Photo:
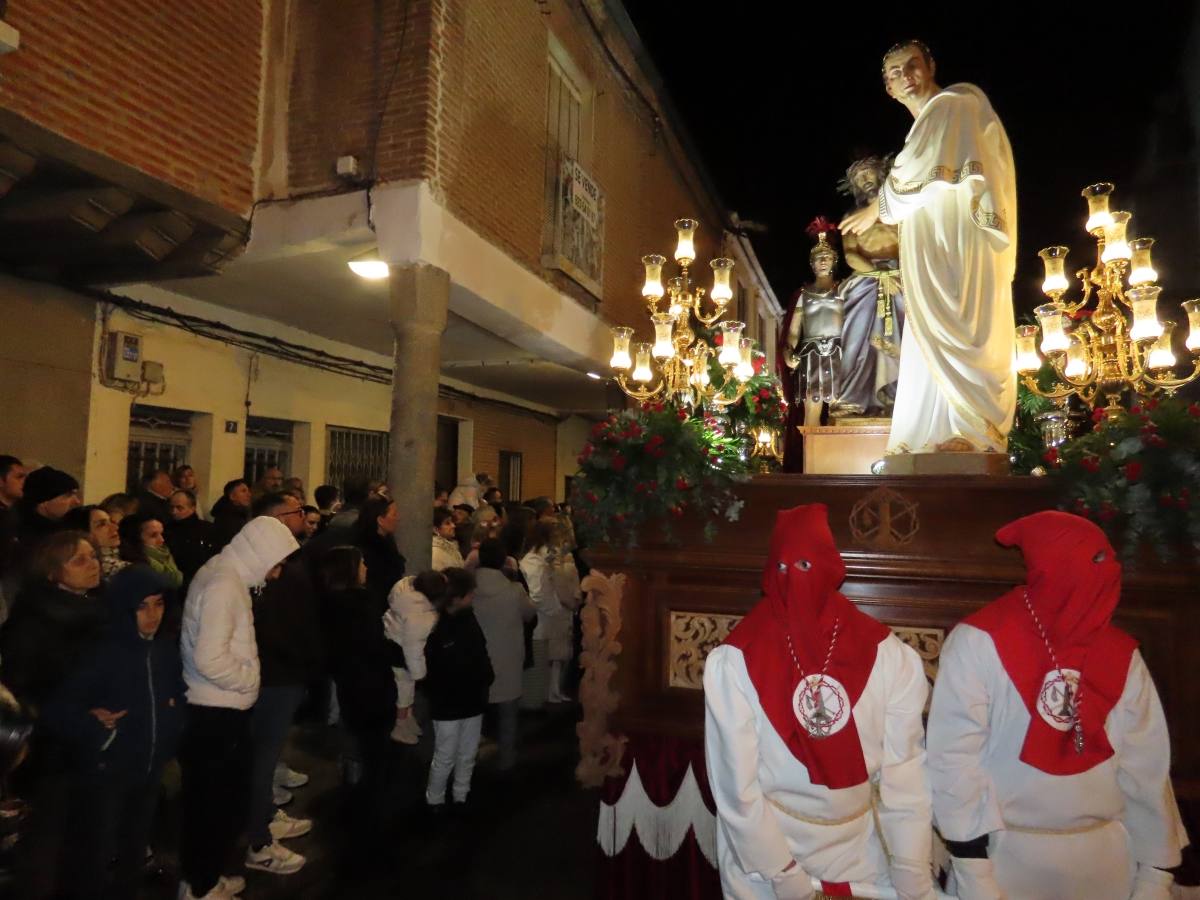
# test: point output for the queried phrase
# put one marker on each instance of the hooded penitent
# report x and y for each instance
(801, 601)
(1072, 588)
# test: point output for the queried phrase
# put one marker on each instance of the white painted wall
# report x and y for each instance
(212, 378)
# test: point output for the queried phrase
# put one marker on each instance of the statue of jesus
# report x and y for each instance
(952, 190)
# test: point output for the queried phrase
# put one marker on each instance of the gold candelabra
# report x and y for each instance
(1106, 351)
(679, 355)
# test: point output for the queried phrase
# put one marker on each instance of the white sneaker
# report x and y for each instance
(232, 884)
(274, 858)
(280, 796)
(286, 777)
(284, 826)
(217, 893)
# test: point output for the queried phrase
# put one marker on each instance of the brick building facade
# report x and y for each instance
(171, 89)
(217, 127)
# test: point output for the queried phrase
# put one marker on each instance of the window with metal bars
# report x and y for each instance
(573, 236)
(355, 453)
(268, 445)
(159, 438)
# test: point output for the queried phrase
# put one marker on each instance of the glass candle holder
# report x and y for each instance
(641, 371)
(685, 248)
(1097, 199)
(1192, 308)
(1054, 338)
(1027, 360)
(1161, 356)
(1077, 362)
(722, 291)
(744, 369)
(620, 356)
(1115, 245)
(1144, 300)
(664, 324)
(653, 288)
(731, 334)
(1054, 259)
(1141, 270)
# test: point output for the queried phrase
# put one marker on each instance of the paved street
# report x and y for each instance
(527, 835)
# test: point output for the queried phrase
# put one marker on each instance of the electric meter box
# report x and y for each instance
(124, 356)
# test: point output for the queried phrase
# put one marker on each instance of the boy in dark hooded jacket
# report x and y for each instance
(121, 714)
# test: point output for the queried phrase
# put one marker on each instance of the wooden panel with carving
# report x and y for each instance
(693, 635)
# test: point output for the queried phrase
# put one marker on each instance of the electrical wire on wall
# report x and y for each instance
(265, 345)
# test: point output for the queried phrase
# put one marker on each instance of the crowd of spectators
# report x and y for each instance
(138, 635)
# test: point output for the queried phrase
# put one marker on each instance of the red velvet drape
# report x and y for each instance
(632, 874)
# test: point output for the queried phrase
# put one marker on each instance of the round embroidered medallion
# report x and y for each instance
(1056, 700)
(821, 705)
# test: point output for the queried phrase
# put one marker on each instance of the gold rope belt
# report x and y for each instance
(1081, 829)
(791, 813)
(890, 283)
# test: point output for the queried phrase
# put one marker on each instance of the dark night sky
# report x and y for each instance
(778, 97)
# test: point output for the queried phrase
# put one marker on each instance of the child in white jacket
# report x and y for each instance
(408, 621)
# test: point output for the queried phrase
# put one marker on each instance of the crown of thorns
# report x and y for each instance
(881, 164)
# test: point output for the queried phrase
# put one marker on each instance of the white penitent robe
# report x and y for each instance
(752, 773)
(952, 189)
(1118, 814)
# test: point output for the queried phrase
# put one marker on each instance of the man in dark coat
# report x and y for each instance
(49, 495)
(154, 500)
(192, 541)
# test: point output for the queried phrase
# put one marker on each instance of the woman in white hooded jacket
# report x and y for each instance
(221, 670)
(408, 622)
(553, 581)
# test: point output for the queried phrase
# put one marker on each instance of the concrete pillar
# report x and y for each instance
(419, 298)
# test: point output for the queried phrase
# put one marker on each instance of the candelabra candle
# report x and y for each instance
(1144, 300)
(1192, 308)
(722, 292)
(1027, 358)
(1077, 362)
(1054, 339)
(1161, 356)
(675, 292)
(1054, 259)
(1141, 270)
(1115, 245)
(744, 370)
(620, 357)
(653, 289)
(731, 334)
(1097, 198)
(664, 324)
(685, 248)
(641, 371)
